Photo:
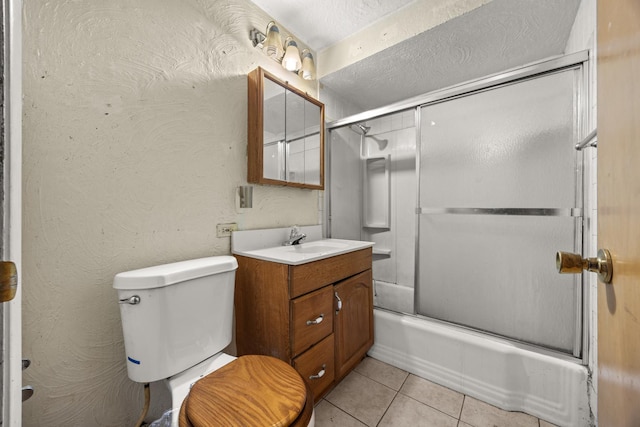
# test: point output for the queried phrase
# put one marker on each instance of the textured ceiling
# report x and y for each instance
(320, 24)
(497, 36)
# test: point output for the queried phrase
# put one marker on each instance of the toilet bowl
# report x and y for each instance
(176, 320)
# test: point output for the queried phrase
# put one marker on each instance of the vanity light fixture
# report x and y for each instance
(287, 55)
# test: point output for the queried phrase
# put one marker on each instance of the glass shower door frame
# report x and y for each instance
(580, 345)
(578, 60)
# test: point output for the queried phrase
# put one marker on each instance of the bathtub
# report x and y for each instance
(495, 371)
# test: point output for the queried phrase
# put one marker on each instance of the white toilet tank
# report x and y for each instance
(175, 315)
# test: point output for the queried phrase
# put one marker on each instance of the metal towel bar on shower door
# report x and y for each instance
(574, 212)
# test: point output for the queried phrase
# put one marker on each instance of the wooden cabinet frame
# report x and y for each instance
(255, 147)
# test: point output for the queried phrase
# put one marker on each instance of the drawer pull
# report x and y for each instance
(315, 322)
(320, 374)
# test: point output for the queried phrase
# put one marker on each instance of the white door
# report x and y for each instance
(11, 211)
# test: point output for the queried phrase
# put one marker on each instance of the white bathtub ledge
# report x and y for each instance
(496, 372)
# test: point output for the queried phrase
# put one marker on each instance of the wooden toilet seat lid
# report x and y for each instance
(250, 391)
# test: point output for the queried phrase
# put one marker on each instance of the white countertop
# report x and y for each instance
(305, 252)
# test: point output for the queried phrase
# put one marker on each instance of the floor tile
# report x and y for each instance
(480, 414)
(405, 411)
(328, 415)
(382, 372)
(544, 423)
(434, 395)
(361, 397)
(463, 424)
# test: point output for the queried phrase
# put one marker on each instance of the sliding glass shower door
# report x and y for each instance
(500, 193)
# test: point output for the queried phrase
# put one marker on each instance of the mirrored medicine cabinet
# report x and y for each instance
(285, 134)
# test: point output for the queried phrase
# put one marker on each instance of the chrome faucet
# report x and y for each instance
(295, 238)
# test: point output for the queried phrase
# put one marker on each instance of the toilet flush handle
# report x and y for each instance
(131, 300)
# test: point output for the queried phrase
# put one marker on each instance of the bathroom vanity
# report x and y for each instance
(312, 311)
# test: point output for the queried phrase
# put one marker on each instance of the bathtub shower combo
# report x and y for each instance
(468, 192)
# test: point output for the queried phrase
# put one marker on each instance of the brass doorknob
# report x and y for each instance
(574, 263)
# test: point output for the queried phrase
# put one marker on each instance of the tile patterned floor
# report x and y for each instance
(378, 394)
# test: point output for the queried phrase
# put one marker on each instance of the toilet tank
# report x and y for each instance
(175, 315)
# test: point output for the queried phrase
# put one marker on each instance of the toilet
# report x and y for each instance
(176, 320)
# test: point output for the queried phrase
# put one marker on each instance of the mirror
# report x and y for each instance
(286, 134)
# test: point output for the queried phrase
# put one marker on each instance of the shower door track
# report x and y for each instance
(510, 76)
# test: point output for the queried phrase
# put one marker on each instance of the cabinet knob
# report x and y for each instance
(320, 373)
(319, 319)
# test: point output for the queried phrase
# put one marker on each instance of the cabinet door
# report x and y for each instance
(285, 134)
(353, 322)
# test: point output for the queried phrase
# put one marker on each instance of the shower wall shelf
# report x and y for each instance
(376, 200)
(381, 251)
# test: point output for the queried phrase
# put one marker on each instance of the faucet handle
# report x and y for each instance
(294, 232)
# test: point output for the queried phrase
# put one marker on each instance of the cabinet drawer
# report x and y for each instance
(311, 319)
(308, 277)
(317, 367)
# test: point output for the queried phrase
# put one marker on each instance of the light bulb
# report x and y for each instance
(291, 60)
(273, 43)
(308, 69)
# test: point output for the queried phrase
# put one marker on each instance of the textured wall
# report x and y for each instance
(134, 143)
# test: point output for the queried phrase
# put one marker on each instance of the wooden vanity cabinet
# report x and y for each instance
(293, 312)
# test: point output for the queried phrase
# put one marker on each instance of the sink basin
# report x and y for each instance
(306, 252)
(319, 246)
